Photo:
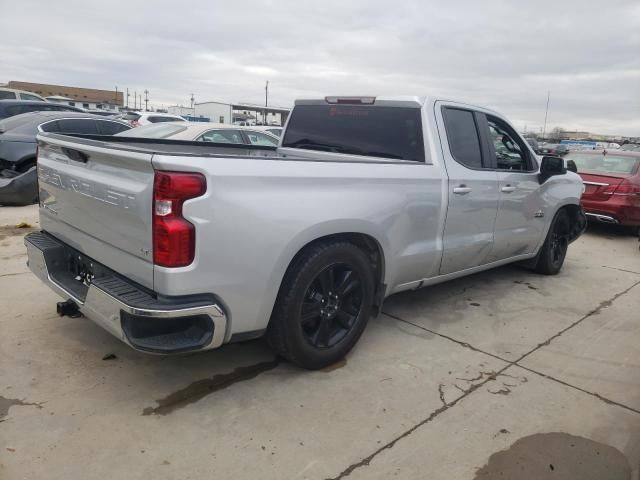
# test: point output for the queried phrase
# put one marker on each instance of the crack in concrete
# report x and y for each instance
(367, 460)
(473, 387)
(441, 392)
(620, 269)
(7, 403)
(12, 274)
(588, 392)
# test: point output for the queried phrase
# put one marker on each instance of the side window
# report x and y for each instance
(221, 136)
(4, 95)
(78, 125)
(26, 96)
(162, 119)
(462, 133)
(511, 154)
(257, 138)
(18, 109)
(50, 127)
(110, 128)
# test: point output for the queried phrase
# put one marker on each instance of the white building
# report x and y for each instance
(87, 105)
(216, 112)
(219, 112)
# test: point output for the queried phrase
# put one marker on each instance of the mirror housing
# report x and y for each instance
(571, 166)
(551, 166)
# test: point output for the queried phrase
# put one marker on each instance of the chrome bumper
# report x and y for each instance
(107, 310)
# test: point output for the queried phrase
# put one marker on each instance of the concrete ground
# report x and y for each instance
(505, 374)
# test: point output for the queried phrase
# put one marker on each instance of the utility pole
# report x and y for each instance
(135, 99)
(116, 102)
(193, 105)
(546, 112)
(146, 100)
(266, 102)
(127, 100)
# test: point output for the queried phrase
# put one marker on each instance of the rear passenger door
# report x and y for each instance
(472, 188)
(520, 220)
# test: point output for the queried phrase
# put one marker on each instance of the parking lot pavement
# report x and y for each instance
(458, 377)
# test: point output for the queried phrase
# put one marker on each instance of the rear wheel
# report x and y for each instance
(554, 249)
(324, 304)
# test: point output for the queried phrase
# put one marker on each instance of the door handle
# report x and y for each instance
(508, 189)
(461, 189)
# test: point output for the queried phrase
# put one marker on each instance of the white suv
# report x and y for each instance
(137, 119)
(13, 94)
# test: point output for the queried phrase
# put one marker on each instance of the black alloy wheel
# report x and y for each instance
(331, 305)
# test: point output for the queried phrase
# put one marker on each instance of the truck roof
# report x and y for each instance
(388, 101)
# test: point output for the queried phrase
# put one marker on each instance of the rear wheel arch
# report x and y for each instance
(367, 243)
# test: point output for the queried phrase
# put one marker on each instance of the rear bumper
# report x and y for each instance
(142, 319)
(618, 209)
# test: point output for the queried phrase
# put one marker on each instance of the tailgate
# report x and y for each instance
(599, 187)
(98, 200)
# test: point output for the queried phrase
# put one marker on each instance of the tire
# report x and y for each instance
(323, 306)
(554, 249)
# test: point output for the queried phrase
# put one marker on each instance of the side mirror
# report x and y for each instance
(551, 166)
(571, 166)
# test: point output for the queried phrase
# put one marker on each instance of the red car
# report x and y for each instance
(612, 185)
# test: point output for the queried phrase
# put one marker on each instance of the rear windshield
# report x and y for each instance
(154, 130)
(387, 132)
(615, 164)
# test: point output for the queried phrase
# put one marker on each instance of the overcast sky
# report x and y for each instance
(502, 54)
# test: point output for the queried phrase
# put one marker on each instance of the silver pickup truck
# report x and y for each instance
(175, 247)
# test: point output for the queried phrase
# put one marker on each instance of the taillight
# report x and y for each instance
(174, 238)
(623, 188)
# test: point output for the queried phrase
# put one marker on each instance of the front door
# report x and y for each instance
(520, 220)
(472, 189)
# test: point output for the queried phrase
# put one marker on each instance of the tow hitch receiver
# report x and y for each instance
(68, 309)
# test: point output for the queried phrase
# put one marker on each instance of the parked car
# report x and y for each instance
(612, 185)
(13, 94)
(631, 147)
(179, 251)
(273, 130)
(137, 119)
(9, 108)
(18, 133)
(553, 149)
(204, 132)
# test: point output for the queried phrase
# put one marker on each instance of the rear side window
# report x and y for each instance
(28, 96)
(163, 119)
(4, 95)
(462, 134)
(257, 138)
(386, 132)
(78, 125)
(221, 136)
(110, 128)
(50, 126)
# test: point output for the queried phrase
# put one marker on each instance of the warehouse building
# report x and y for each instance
(88, 98)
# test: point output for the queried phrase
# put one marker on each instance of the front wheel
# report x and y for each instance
(324, 304)
(554, 249)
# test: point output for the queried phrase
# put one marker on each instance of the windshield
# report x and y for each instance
(614, 164)
(387, 132)
(154, 130)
